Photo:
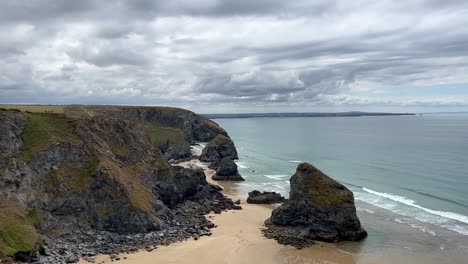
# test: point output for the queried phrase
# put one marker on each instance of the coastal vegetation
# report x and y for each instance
(62, 173)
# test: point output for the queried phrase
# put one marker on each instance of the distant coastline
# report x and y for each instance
(338, 114)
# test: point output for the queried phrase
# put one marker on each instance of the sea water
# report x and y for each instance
(409, 174)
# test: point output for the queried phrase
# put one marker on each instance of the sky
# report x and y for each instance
(223, 56)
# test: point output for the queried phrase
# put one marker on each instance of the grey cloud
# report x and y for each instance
(237, 52)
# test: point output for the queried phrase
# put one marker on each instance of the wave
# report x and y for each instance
(369, 211)
(202, 165)
(241, 165)
(276, 176)
(449, 220)
(404, 200)
(295, 161)
(437, 197)
(420, 227)
(197, 148)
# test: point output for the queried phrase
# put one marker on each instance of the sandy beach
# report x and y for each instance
(236, 239)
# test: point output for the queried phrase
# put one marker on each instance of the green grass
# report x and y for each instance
(161, 135)
(17, 231)
(58, 109)
(220, 140)
(33, 218)
(42, 130)
(69, 177)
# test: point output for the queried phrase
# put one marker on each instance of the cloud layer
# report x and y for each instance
(223, 56)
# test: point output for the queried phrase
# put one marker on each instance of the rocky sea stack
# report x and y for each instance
(319, 208)
(227, 171)
(220, 147)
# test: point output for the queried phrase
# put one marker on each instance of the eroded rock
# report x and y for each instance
(227, 171)
(319, 208)
(218, 148)
(256, 197)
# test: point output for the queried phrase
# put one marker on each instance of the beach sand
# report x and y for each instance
(237, 239)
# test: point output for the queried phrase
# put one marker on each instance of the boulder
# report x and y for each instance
(256, 197)
(319, 208)
(218, 148)
(227, 171)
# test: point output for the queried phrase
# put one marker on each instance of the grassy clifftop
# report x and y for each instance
(42, 130)
(163, 124)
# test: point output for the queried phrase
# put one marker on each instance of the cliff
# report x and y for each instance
(170, 129)
(62, 177)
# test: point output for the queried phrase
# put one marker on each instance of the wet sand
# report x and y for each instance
(237, 239)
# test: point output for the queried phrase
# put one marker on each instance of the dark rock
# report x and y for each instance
(12, 125)
(95, 185)
(175, 151)
(195, 127)
(183, 185)
(72, 259)
(319, 208)
(227, 171)
(218, 148)
(256, 197)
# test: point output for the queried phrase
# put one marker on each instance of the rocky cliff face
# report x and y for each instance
(319, 208)
(172, 129)
(60, 176)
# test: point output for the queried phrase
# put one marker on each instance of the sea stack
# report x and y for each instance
(220, 147)
(227, 171)
(319, 208)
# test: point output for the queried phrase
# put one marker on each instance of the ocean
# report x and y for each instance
(409, 174)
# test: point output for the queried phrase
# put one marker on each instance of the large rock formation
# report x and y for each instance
(227, 171)
(218, 148)
(319, 208)
(170, 129)
(61, 176)
(256, 197)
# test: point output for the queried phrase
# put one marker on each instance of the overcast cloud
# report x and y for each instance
(237, 56)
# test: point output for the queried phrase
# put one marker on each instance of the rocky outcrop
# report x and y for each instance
(227, 171)
(256, 197)
(218, 148)
(195, 127)
(64, 181)
(319, 208)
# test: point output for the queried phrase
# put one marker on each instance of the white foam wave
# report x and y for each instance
(424, 229)
(408, 207)
(202, 165)
(276, 176)
(365, 210)
(409, 202)
(197, 149)
(241, 165)
(295, 161)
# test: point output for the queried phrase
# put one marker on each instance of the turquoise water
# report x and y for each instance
(409, 174)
